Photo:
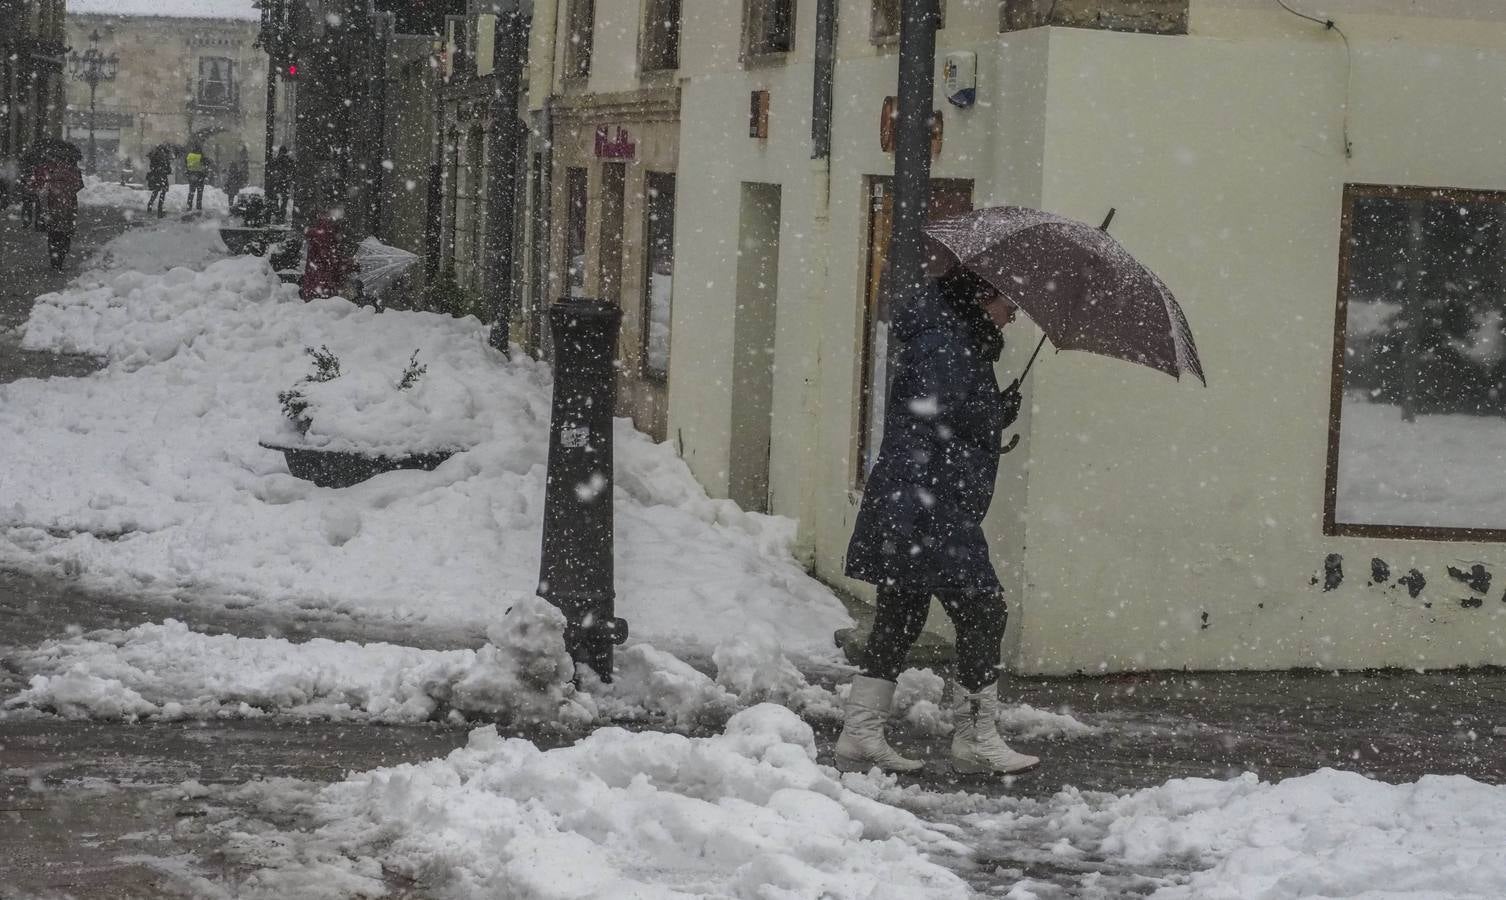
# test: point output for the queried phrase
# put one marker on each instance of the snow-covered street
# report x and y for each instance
(700, 771)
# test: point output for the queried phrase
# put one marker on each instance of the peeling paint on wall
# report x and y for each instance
(1413, 582)
(1333, 571)
(1477, 578)
(1380, 572)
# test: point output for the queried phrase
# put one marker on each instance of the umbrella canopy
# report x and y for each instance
(380, 263)
(1084, 290)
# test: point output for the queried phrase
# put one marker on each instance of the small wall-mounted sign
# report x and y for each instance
(615, 146)
(959, 76)
(758, 115)
(889, 121)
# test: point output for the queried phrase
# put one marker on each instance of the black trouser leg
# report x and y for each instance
(57, 247)
(900, 616)
(978, 619)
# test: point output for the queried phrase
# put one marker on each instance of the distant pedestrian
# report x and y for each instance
(279, 183)
(919, 530)
(197, 165)
(57, 187)
(235, 179)
(159, 175)
(30, 170)
(328, 264)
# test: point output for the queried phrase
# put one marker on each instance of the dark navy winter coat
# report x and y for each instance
(920, 524)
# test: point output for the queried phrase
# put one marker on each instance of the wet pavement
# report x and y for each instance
(25, 275)
(83, 805)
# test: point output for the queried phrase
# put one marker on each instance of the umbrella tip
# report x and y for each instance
(1107, 219)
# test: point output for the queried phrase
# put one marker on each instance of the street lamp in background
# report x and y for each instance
(93, 67)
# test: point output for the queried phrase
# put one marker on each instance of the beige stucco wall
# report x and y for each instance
(1153, 503)
(1135, 504)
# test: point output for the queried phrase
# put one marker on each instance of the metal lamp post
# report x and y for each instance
(93, 67)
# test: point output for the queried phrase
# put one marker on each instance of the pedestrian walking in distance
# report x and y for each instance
(32, 161)
(57, 188)
(197, 165)
(159, 174)
(919, 531)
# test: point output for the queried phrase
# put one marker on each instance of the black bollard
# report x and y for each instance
(576, 572)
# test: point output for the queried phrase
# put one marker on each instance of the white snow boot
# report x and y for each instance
(862, 744)
(977, 747)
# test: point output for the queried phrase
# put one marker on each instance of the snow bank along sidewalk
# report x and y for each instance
(147, 477)
(747, 813)
(1329, 834)
(98, 192)
(750, 814)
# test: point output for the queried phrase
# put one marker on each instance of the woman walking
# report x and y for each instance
(57, 189)
(919, 531)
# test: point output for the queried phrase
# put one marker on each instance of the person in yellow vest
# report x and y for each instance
(197, 165)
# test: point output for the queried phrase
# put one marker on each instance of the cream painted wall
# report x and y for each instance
(1135, 504)
(1151, 502)
(614, 48)
(822, 270)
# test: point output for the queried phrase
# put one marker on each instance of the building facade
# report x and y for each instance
(1263, 164)
(33, 47)
(611, 112)
(598, 180)
(181, 81)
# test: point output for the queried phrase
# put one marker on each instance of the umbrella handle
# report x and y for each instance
(1037, 352)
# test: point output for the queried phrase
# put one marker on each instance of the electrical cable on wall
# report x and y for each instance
(1331, 25)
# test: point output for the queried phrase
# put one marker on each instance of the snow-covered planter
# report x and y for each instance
(341, 429)
(255, 233)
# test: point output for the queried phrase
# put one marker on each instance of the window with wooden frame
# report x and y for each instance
(580, 31)
(768, 27)
(884, 26)
(659, 48)
(1417, 421)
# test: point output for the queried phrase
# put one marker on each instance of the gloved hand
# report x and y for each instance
(1011, 398)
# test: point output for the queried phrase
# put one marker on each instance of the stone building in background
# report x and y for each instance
(32, 50)
(189, 73)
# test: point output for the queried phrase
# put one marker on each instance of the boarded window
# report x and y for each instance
(575, 232)
(661, 36)
(1418, 416)
(582, 29)
(659, 229)
(768, 27)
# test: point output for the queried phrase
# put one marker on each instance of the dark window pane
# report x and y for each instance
(659, 283)
(575, 232)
